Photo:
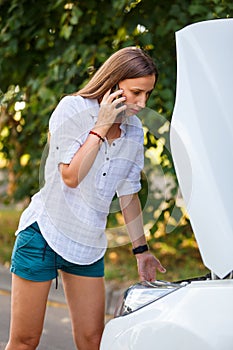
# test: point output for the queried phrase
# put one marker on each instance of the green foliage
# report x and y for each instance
(8, 224)
(50, 48)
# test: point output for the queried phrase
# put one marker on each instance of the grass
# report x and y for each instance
(177, 252)
(8, 224)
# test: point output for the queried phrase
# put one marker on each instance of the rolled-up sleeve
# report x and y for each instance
(65, 130)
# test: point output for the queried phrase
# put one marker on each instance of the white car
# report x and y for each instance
(194, 314)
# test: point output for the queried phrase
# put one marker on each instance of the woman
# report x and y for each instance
(96, 150)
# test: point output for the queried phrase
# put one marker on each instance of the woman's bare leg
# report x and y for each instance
(86, 301)
(28, 305)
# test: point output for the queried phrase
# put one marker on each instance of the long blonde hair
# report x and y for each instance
(127, 63)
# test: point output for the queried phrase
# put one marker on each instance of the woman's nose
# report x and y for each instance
(142, 101)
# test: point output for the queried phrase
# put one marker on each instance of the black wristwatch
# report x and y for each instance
(140, 249)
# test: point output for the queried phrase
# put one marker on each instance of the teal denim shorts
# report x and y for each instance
(34, 260)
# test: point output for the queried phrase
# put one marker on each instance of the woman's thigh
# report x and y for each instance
(28, 307)
(86, 301)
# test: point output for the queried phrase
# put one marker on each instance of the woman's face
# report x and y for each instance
(137, 92)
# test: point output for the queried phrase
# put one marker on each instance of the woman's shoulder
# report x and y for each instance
(72, 107)
(77, 102)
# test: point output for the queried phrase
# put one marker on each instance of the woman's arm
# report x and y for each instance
(73, 173)
(132, 213)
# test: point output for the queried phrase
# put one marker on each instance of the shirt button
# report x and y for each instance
(107, 158)
(57, 147)
(113, 144)
(104, 174)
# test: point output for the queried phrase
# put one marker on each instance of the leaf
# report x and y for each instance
(76, 14)
(66, 31)
(46, 50)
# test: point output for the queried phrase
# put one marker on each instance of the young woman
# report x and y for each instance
(95, 151)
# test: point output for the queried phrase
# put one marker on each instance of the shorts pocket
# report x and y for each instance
(24, 239)
(28, 241)
(28, 249)
(29, 238)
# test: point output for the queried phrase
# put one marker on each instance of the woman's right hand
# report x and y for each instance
(109, 109)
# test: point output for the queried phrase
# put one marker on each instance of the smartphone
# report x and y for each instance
(121, 114)
(115, 88)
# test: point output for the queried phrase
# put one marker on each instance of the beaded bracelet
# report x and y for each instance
(98, 135)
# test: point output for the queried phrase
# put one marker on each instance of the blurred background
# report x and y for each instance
(51, 48)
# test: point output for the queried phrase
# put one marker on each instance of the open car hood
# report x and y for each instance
(202, 137)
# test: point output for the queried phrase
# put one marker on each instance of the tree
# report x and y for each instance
(50, 48)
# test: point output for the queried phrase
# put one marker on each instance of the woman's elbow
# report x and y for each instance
(72, 183)
(69, 180)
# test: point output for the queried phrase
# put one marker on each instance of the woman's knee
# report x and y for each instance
(88, 339)
(23, 343)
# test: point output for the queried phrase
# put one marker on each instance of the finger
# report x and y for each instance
(120, 111)
(119, 107)
(161, 269)
(119, 100)
(114, 98)
(143, 278)
(116, 94)
(106, 95)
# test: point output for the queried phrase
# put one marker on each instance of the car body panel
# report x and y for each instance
(202, 137)
(197, 316)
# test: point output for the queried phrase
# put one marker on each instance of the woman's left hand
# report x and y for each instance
(147, 266)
